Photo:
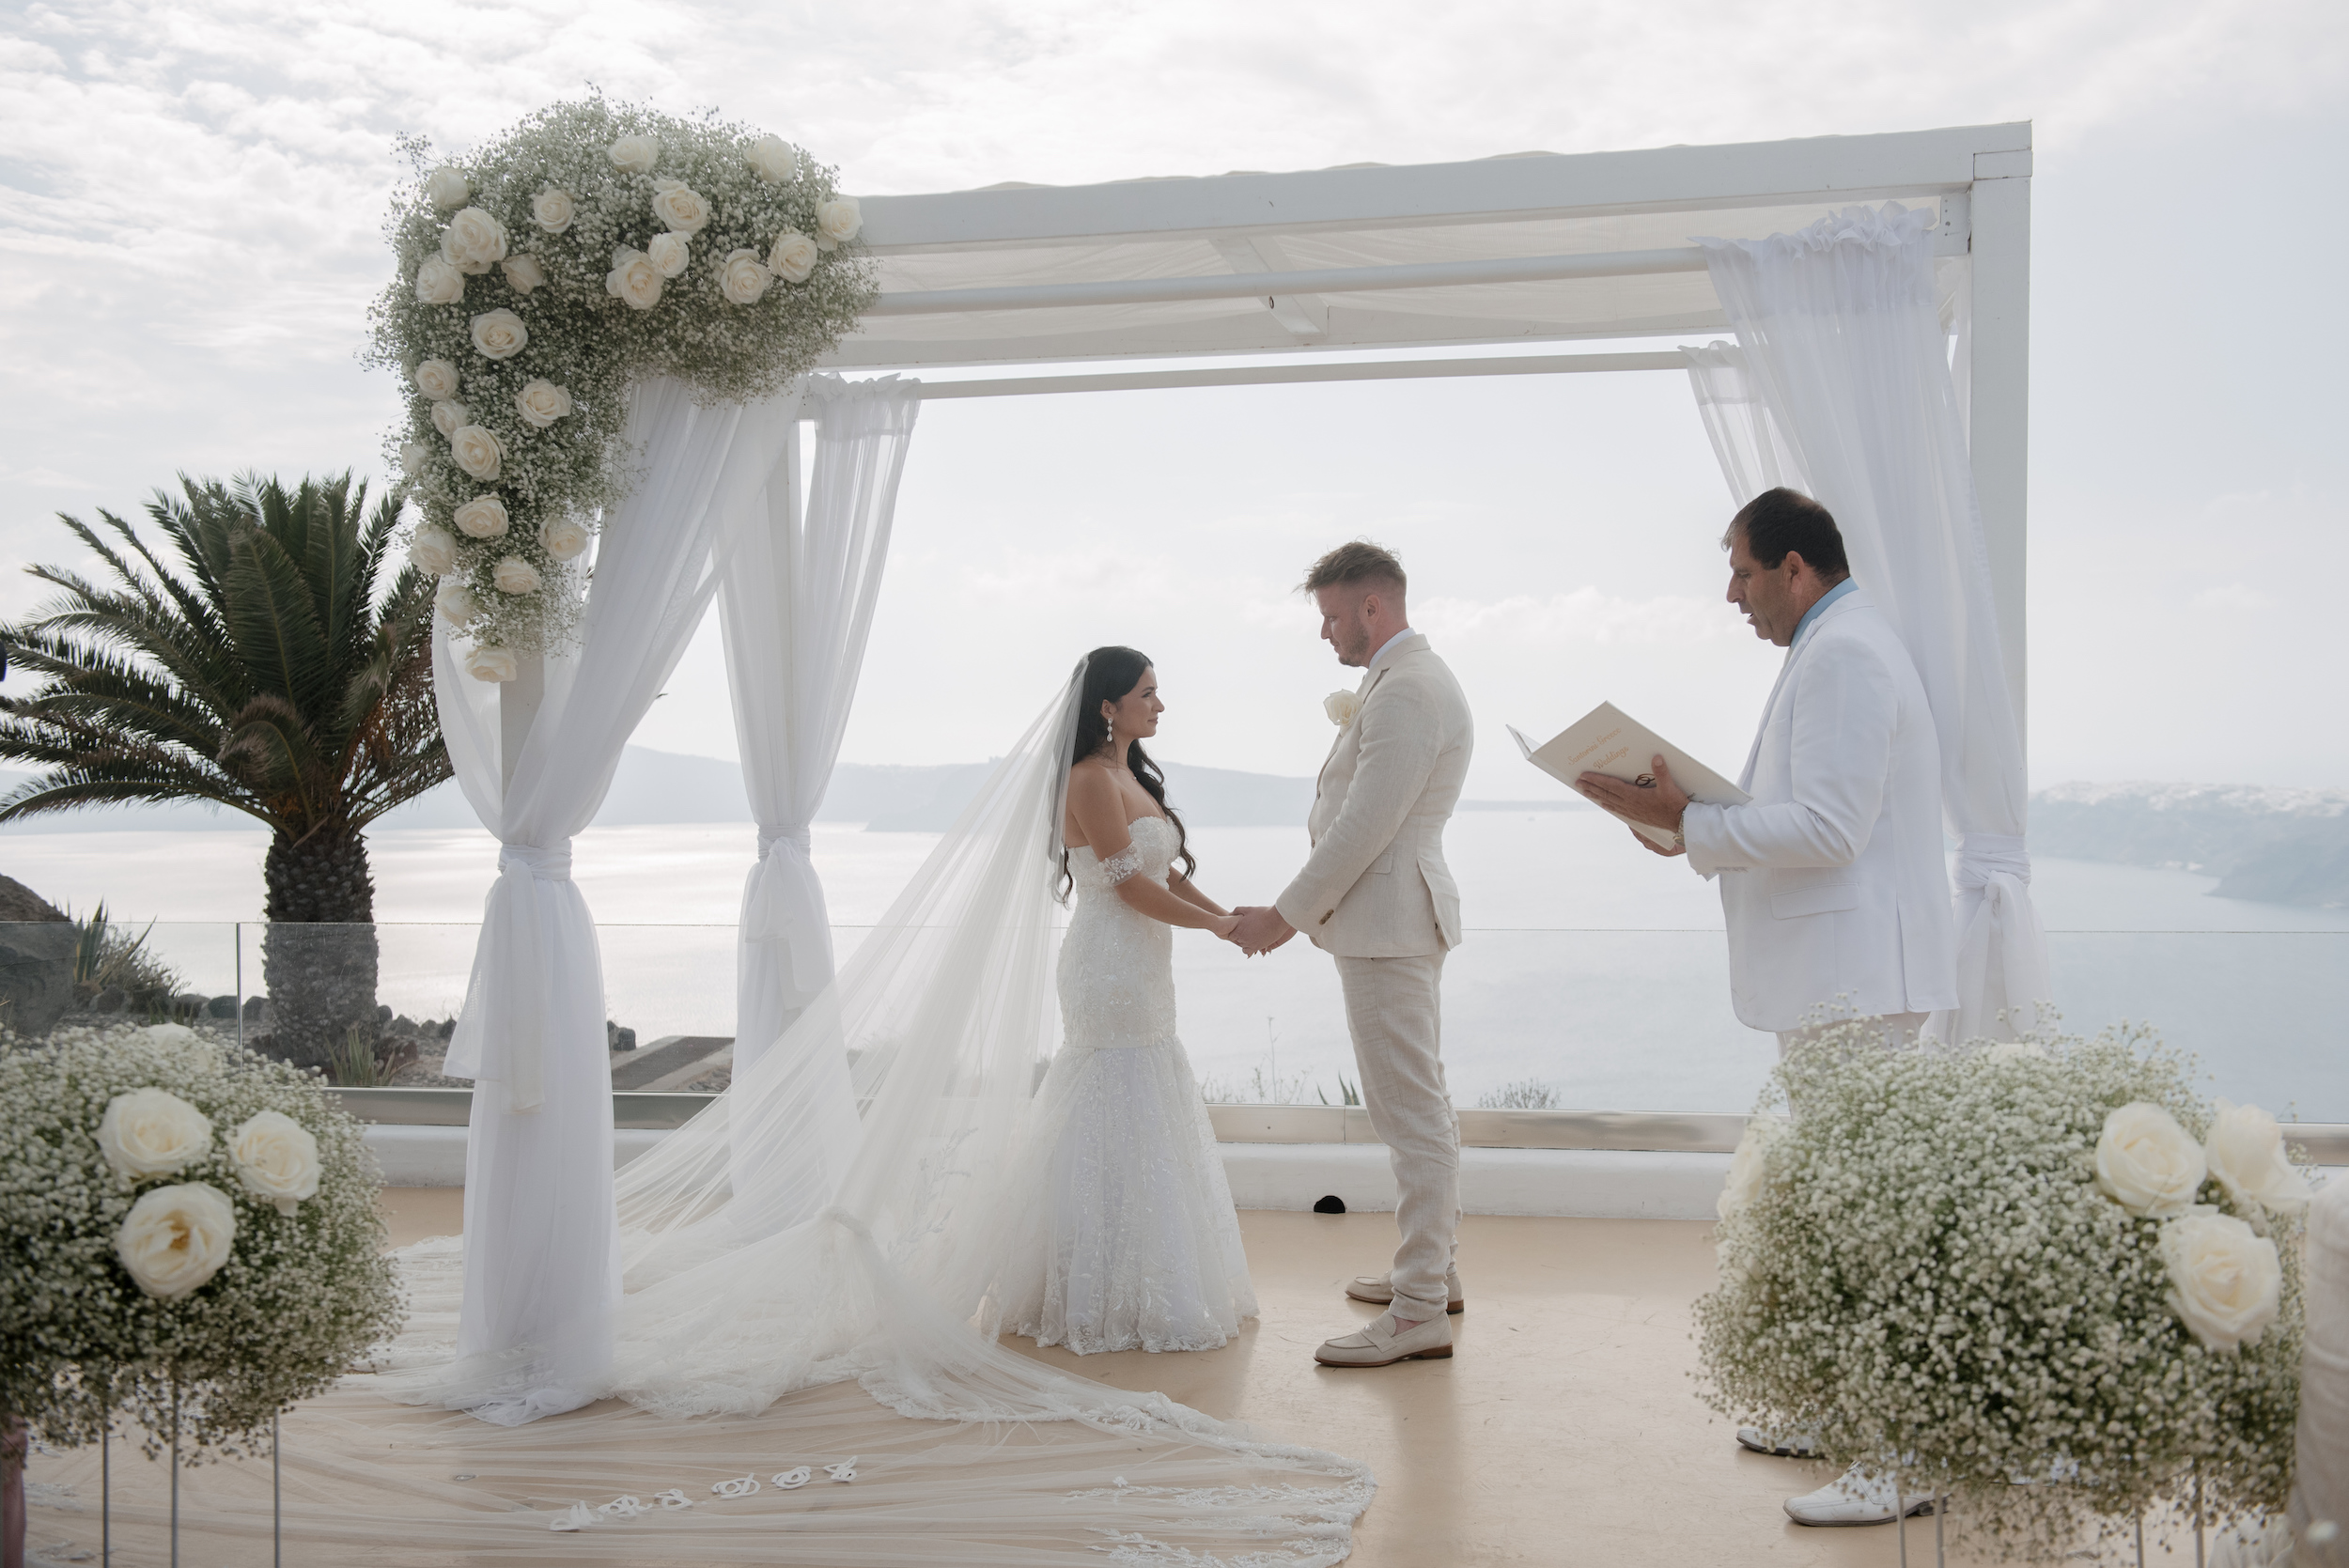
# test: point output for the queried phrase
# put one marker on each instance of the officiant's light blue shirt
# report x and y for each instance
(1813, 613)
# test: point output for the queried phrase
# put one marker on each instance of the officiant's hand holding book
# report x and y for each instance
(1632, 772)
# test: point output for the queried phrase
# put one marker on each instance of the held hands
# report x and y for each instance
(1257, 929)
(1659, 804)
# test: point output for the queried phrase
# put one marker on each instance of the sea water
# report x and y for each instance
(1590, 966)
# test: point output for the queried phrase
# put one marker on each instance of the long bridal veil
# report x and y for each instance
(841, 1217)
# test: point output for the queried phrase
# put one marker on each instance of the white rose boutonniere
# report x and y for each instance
(633, 278)
(743, 278)
(2147, 1164)
(523, 273)
(680, 206)
(457, 605)
(277, 1159)
(151, 1132)
(552, 208)
(669, 254)
(175, 1239)
(436, 378)
(492, 663)
(446, 189)
(433, 551)
(1749, 1168)
(482, 518)
(1342, 707)
(563, 538)
(477, 451)
(498, 333)
(513, 575)
(449, 416)
(773, 160)
(636, 154)
(2225, 1281)
(473, 241)
(438, 282)
(837, 222)
(2246, 1152)
(541, 403)
(793, 257)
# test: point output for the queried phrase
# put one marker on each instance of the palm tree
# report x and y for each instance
(265, 669)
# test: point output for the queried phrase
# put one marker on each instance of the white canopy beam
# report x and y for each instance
(1279, 375)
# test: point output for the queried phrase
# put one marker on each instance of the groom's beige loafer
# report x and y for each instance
(1380, 1344)
(1379, 1290)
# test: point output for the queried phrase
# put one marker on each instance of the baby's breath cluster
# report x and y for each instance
(2046, 1278)
(183, 1225)
(593, 245)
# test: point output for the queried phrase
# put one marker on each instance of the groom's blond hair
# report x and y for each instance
(1356, 561)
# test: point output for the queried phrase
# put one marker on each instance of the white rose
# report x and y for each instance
(2225, 1281)
(2147, 1164)
(1749, 1168)
(794, 256)
(482, 518)
(491, 664)
(669, 254)
(151, 1132)
(414, 455)
(2246, 1152)
(524, 272)
(838, 220)
(457, 605)
(277, 1159)
(446, 189)
(1341, 706)
(563, 538)
(175, 1239)
(742, 279)
(433, 551)
(498, 333)
(477, 451)
(438, 282)
(680, 206)
(449, 416)
(473, 241)
(541, 403)
(513, 575)
(436, 378)
(636, 154)
(772, 159)
(633, 278)
(553, 208)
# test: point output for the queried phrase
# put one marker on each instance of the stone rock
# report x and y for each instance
(447, 1028)
(617, 1038)
(109, 1000)
(19, 902)
(402, 1024)
(189, 1006)
(36, 974)
(221, 1007)
(382, 1013)
(255, 1009)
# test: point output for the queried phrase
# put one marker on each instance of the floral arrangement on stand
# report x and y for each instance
(188, 1237)
(593, 244)
(2042, 1279)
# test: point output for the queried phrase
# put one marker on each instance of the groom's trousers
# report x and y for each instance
(1393, 1009)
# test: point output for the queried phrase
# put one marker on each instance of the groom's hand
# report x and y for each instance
(1261, 929)
(1659, 804)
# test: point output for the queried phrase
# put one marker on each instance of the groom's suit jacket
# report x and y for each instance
(1833, 881)
(1376, 885)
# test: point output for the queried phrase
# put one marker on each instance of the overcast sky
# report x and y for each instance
(191, 221)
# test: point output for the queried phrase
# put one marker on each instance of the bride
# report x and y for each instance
(1134, 1243)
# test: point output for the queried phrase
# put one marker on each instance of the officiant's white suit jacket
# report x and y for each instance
(1832, 877)
(1376, 885)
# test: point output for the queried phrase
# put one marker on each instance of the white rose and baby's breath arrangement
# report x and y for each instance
(188, 1233)
(2044, 1278)
(593, 244)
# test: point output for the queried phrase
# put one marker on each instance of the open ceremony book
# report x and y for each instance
(1607, 741)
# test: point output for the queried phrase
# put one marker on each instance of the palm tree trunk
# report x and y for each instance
(319, 954)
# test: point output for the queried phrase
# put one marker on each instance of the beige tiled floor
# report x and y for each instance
(1565, 1430)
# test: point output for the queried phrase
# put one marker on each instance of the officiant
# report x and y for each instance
(1833, 884)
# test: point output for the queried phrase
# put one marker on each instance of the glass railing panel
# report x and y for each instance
(78, 971)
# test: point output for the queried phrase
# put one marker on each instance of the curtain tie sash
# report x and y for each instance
(502, 1036)
(798, 836)
(1998, 922)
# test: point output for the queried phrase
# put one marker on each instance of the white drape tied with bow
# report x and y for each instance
(509, 1047)
(1840, 387)
(797, 607)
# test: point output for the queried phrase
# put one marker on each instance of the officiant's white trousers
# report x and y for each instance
(1393, 1009)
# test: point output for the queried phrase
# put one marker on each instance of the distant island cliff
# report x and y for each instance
(2266, 844)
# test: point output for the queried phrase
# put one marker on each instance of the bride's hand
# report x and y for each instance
(1226, 925)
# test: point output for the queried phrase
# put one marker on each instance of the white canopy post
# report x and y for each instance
(542, 1241)
(797, 606)
(1843, 340)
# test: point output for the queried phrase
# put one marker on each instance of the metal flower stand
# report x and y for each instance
(106, 1497)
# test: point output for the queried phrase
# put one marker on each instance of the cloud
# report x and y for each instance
(1583, 615)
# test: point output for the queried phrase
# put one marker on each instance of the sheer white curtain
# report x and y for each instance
(541, 1243)
(1850, 395)
(797, 605)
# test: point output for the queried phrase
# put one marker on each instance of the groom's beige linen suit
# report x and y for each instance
(1377, 894)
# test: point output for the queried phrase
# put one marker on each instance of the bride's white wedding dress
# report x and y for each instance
(1133, 1242)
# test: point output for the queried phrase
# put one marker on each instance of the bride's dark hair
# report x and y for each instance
(1110, 675)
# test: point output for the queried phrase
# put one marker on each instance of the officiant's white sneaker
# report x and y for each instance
(1792, 1443)
(1381, 1342)
(1378, 1289)
(1852, 1499)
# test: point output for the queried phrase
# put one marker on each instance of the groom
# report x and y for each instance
(1376, 894)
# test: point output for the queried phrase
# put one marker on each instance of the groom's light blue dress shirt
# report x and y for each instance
(1813, 613)
(1407, 631)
